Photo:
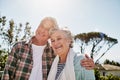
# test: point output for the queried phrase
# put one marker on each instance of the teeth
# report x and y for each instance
(58, 47)
(58, 50)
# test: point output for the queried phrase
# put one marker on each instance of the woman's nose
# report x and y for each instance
(56, 43)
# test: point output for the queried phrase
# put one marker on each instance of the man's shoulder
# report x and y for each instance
(78, 56)
(21, 44)
(21, 47)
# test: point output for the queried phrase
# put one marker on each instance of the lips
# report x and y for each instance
(58, 48)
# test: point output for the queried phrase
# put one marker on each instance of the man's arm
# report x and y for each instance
(10, 66)
(87, 62)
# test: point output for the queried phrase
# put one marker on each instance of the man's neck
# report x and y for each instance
(38, 43)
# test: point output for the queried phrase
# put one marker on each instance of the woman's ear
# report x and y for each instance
(70, 43)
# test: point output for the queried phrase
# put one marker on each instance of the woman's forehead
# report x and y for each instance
(58, 33)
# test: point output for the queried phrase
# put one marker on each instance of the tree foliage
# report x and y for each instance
(111, 62)
(97, 74)
(3, 58)
(10, 33)
(107, 77)
(97, 42)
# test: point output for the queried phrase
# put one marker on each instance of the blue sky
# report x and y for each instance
(78, 15)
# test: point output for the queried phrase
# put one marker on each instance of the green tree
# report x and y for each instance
(106, 61)
(97, 74)
(97, 42)
(112, 77)
(10, 33)
(111, 62)
(3, 58)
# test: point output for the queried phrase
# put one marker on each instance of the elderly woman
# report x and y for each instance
(66, 65)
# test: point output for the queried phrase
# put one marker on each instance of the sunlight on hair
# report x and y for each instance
(65, 28)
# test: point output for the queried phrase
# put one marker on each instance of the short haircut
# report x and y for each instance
(67, 33)
(53, 20)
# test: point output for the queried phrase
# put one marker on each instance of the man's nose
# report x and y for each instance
(42, 30)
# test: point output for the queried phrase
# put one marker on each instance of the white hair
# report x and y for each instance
(67, 33)
(53, 20)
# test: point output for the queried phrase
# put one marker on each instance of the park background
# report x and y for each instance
(80, 16)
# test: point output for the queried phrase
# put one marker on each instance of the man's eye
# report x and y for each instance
(59, 39)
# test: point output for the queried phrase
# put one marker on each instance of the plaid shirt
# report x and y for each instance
(20, 62)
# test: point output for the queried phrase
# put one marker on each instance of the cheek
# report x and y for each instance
(66, 45)
(37, 36)
(46, 33)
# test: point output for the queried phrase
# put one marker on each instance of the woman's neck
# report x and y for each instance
(63, 59)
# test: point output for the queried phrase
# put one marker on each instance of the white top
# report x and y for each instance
(36, 73)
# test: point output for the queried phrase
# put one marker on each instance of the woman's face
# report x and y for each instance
(60, 43)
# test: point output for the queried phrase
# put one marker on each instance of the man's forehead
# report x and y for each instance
(47, 27)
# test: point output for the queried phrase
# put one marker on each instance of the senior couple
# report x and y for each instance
(36, 59)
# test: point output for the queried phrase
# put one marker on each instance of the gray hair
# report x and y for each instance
(52, 20)
(67, 33)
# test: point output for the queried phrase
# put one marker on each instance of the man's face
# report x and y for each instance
(42, 32)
